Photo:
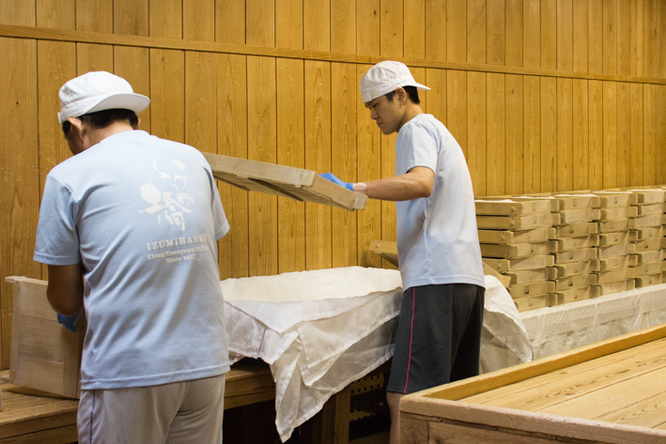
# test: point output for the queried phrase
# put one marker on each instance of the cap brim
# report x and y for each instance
(369, 96)
(133, 101)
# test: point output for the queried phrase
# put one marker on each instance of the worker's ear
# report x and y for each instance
(76, 123)
(401, 94)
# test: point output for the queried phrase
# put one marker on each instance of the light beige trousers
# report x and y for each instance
(188, 412)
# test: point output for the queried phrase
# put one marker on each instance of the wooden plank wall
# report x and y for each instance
(543, 95)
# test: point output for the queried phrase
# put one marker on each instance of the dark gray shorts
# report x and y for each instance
(439, 336)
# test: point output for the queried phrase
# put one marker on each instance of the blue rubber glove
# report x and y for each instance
(335, 180)
(68, 322)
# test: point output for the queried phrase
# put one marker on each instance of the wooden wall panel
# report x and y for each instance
(581, 36)
(532, 134)
(649, 158)
(344, 99)
(564, 134)
(477, 124)
(638, 175)
(166, 19)
(609, 16)
(199, 20)
(318, 158)
(57, 14)
(17, 12)
(456, 30)
(477, 31)
(596, 33)
(369, 168)
(435, 29)
(532, 33)
(623, 131)
(19, 175)
(542, 95)
(496, 153)
(660, 134)
(609, 159)
(549, 154)
(167, 94)
(596, 134)
(514, 32)
(130, 17)
(548, 34)
(94, 15)
(261, 142)
(515, 160)
(291, 152)
(133, 64)
(496, 36)
(581, 135)
(232, 141)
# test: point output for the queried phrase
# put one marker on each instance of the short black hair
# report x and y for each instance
(102, 119)
(412, 92)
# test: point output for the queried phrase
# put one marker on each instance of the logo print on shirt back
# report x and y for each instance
(167, 193)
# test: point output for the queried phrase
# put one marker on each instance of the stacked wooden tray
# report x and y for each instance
(574, 247)
(647, 233)
(514, 237)
(616, 257)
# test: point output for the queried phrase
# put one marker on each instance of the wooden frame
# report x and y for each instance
(44, 354)
(293, 183)
(457, 409)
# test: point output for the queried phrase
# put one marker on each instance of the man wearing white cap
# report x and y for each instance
(439, 331)
(128, 227)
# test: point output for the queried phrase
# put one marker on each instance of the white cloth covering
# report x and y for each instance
(565, 327)
(321, 330)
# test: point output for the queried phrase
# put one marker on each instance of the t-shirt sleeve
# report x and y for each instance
(416, 148)
(219, 216)
(57, 238)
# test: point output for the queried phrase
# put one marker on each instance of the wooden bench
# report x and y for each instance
(33, 416)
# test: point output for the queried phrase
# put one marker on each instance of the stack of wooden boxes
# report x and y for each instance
(514, 237)
(647, 232)
(616, 256)
(574, 247)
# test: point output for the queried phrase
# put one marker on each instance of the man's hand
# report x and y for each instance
(68, 322)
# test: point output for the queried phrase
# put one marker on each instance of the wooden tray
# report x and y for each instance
(615, 287)
(615, 262)
(574, 243)
(511, 251)
(577, 229)
(511, 208)
(285, 181)
(602, 393)
(575, 268)
(44, 354)
(389, 251)
(502, 237)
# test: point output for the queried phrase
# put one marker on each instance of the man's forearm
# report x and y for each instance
(65, 289)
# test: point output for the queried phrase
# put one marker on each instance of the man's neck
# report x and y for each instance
(96, 135)
(412, 111)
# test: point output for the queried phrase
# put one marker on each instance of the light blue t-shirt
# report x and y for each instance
(437, 238)
(142, 215)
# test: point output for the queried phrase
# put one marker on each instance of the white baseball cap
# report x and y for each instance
(98, 91)
(385, 77)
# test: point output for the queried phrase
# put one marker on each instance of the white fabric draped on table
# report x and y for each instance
(321, 330)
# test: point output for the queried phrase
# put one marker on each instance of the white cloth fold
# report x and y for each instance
(321, 330)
